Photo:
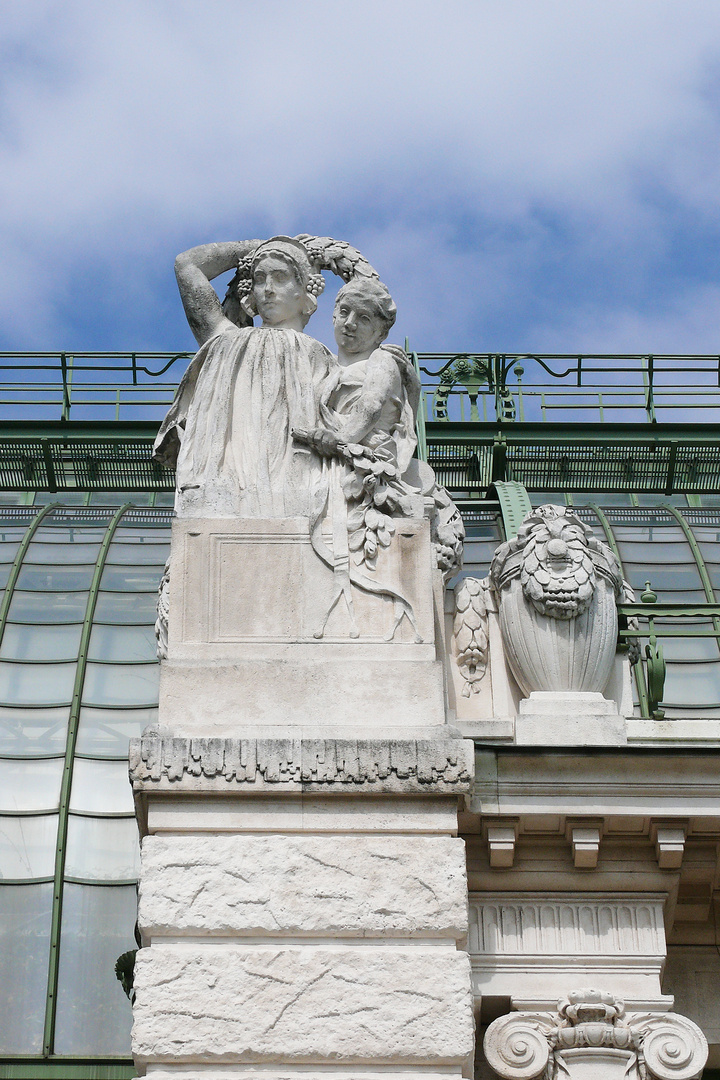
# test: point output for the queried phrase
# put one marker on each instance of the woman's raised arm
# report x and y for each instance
(194, 270)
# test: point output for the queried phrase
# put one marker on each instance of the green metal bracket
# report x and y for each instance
(640, 684)
(66, 785)
(17, 565)
(699, 561)
(654, 662)
(420, 423)
(514, 504)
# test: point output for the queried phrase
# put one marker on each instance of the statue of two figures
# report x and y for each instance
(267, 423)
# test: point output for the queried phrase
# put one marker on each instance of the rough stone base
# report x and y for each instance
(303, 903)
(304, 885)
(308, 1004)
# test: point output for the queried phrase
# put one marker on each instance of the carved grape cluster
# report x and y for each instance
(243, 278)
(316, 284)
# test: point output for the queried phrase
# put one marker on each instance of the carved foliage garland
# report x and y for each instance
(470, 632)
(373, 492)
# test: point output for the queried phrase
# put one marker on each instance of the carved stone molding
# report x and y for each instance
(591, 1036)
(530, 948)
(407, 766)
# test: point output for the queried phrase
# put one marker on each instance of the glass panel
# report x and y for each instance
(126, 608)
(642, 532)
(93, 1015)
(119, 498)
(4, 574)
(47, 607)
(142, 534)
(44, 552)
(33, 731)
(138, 554)
(8, 548)
(55, 578)
(541, 498)
(36, 684)
(69, 498)
(105, 732)
(599, 498)
(110, 684)
(667, 580)
(688, 648)
(101, 787)
(676, 499)
(132, 578)
(123, 643)
(657, 551)
(30, 785)
(27, 846)
(692, 684)
(164, 498)
(25, 912)
(22, 641)
(102, 849)
(61, 533)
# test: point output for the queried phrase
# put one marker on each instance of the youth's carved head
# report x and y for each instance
(363, 316)
(281, 284)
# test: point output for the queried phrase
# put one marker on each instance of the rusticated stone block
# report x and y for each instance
(306, 1004)
(357, 885)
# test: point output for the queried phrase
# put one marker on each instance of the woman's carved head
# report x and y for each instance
(277, 282)
(371, 296)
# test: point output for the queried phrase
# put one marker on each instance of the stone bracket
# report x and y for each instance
(584, 835)
(669, 838)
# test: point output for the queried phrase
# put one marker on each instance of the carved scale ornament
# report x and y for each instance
(557, 587)
(590, 1037)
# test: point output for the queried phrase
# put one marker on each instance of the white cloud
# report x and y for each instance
(469, 148)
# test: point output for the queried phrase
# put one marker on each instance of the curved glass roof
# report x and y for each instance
(78, 678)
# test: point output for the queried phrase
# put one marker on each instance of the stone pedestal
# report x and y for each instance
(247, 648)
(569, 718)
(303, 907)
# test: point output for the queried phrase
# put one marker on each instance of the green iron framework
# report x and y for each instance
(107, 522)
(86, 421)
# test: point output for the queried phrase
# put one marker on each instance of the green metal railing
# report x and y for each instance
(107, 386)
(87, 421)
(459, 387)
(577, 387)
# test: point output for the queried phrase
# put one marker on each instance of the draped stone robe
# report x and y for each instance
(228, 432)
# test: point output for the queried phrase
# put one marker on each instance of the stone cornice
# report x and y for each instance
(162, 763)
(642, 782)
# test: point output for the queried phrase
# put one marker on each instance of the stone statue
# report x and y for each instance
(227, 433)
(268, 424)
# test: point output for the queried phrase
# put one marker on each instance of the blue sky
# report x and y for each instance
(524, 174)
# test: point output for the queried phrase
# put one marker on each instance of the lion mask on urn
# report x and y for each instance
(559, 556)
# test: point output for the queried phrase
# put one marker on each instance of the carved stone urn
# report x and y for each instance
(557, 587)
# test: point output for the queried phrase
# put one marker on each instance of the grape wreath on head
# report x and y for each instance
(325, 253)
(336, 255)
